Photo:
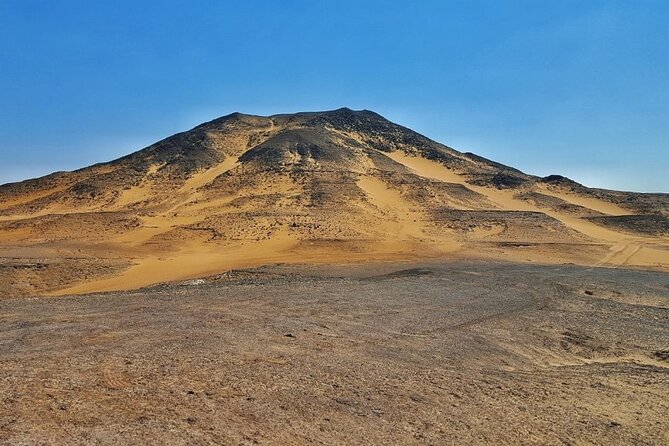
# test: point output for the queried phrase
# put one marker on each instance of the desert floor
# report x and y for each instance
(393, 353)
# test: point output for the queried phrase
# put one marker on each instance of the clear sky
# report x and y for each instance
(579, 88)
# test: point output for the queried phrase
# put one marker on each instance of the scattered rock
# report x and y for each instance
(194, 282)
(662, 355)
(575, 338)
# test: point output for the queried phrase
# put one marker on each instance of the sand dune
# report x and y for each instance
(588, 202)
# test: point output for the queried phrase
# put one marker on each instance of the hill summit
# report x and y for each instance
(326, 187)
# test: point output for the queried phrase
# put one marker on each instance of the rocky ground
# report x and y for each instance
(432, 353)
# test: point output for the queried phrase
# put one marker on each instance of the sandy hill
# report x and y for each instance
(336, 186)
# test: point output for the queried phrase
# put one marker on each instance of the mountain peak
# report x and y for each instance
(343, 116)
(305, 187)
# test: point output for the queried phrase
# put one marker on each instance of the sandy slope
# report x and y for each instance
(624, 249)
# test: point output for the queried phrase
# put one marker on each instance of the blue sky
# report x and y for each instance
(579, 88)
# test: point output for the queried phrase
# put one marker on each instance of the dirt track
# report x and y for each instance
(434, 353)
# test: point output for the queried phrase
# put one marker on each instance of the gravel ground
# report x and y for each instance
(433, 353)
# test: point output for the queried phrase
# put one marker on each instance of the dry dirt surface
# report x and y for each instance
(411, 353)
